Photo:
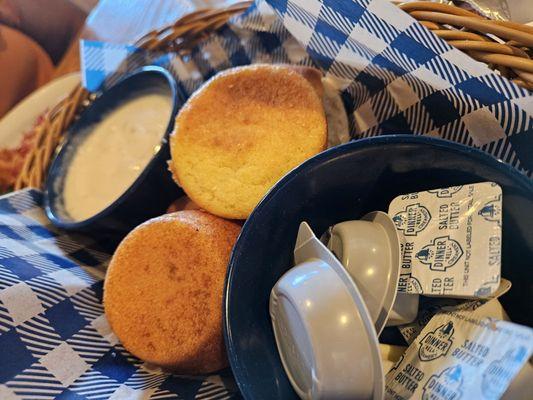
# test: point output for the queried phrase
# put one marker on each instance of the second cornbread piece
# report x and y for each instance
(241, 132)
(163, 291)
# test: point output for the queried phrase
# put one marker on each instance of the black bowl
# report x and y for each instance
(344, 183)
(152, 191)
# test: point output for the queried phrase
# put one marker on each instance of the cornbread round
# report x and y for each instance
(163, 291)
(241, 132)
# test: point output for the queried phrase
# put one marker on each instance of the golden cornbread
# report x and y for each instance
(163, 291)
(241, 132)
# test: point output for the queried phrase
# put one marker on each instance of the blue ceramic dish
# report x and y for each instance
(344, 183)
(152, 191)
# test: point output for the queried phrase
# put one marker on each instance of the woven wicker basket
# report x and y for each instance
(504, 46)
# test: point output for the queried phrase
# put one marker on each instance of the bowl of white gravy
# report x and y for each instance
(111, 172)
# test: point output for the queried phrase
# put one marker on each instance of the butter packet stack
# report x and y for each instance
(459, 356)
(452, 241)
(488, 307)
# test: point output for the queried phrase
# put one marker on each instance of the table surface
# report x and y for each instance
(124, 21)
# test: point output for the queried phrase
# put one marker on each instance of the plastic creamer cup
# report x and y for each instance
(369, 249)
(452, 241)
(324, 334)
(460, 356)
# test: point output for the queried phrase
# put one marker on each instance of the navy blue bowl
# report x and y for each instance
(344, 183)
(152, 191)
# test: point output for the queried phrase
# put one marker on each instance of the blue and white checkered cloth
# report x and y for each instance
(397, 76)
(55, 341)
(394, 74)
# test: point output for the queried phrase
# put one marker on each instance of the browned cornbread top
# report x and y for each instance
(241, 132)
(163, 290)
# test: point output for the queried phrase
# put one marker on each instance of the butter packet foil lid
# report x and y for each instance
(457, 356)
(429, 306)
(452, 242)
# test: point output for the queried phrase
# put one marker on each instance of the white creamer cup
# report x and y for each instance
(369, 249)
(325, 337)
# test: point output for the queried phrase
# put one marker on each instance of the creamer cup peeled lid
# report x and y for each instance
(429, 306)
(458, 356)
(452, 240)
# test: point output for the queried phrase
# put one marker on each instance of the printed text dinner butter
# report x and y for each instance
(458, 356)
(452, 241)
(429, 306)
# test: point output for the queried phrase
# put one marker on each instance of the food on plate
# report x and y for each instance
(114, 153)
(163, 291)
(241, 132)
(12, 159)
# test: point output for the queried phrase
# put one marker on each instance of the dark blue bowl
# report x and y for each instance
(341, 184)
(152, 191)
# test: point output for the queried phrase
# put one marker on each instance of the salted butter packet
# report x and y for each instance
(452, 244)
(429, 306)
(390, 354)
(458, 356)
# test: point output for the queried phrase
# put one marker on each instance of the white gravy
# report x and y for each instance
(114, 154)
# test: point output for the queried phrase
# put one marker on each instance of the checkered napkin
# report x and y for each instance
(399, 77)
(55, 341)
(394, 74)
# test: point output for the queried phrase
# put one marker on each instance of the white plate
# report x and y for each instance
(22, 117)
